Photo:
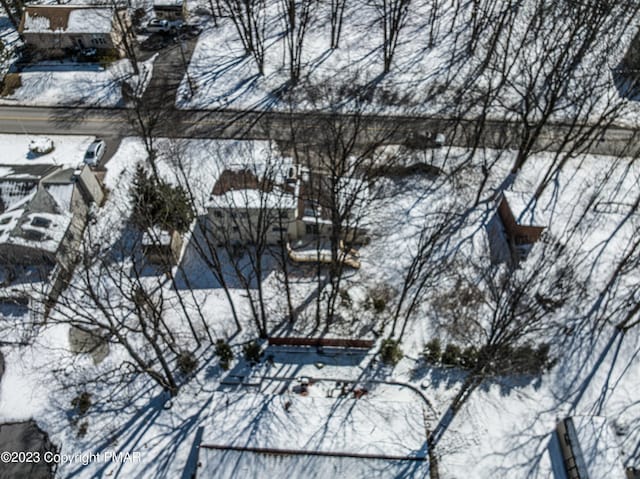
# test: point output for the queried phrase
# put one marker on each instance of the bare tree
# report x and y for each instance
(393, 16)
(13, 10)
(250, 18)
(508, 319)
(252, 208)
(109, 299)
(297, 20)
(346, 160)
(336, 15)
(204, 239)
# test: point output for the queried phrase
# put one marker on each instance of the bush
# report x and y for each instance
(380, 296)
(187, 363)
(10, 84)
(252, 352)
(390, 352)
(509, 360)
(451, 355)
(224, 352)
(82, 429)
(82, 402)
(107, 58)
(41, 146)
(345, 298)
(469, 357)
(379, 304)
(432, 351)
(527, 360)
(138, 16)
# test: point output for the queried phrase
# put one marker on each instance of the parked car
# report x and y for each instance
(94, 153)
(155, 42)
(190, 31)
(163, 26)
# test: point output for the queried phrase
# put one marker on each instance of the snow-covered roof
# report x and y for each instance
(67, 19)
(242, 186)
(156, 236)
(254, 199)
(38, 230)
(33, 213)
(523, 207)
(62, 194)
(168, 3)
(25, 172)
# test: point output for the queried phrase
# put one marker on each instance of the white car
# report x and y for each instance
(163, 26)
(94, 153)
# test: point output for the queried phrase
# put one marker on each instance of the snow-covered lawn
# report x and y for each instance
(77, 84)
(67, 150)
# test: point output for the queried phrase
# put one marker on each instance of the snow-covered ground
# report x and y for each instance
(433, 70)
(67, 150)
(72, 84)
(504, 430)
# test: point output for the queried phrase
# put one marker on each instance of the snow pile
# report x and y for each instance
(41, 146)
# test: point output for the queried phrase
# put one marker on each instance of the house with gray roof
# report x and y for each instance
(43, 211)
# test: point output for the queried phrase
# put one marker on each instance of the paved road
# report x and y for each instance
(260, 125)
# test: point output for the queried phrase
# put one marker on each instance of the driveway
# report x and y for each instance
(168, 70)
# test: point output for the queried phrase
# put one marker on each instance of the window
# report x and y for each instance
(311, 229)
(277, 229)
(284, 215)
(33, 235)
(218, 214)
(40, 222)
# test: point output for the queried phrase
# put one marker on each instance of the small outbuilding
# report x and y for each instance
(161, 247)
(170, 10)
(523, 224)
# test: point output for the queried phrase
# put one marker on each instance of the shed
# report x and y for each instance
(162, 247)
(170, 10)
(523, 222)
